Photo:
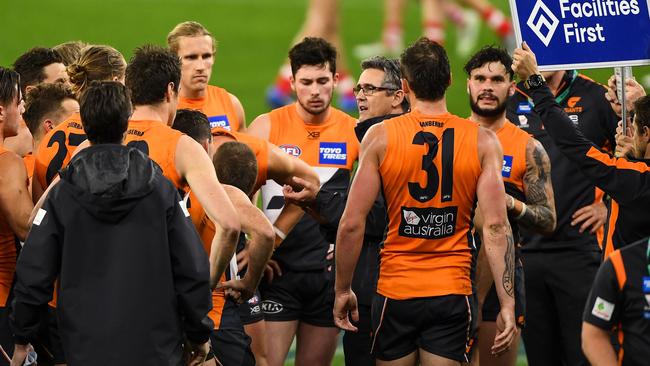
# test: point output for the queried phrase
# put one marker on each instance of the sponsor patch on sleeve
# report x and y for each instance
(428, 223)
(506, 169)
(40, 215)
(603, 309)
(334, 153)
(524, 108)
(219, 121)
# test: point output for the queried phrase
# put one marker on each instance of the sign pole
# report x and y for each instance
(620, 85)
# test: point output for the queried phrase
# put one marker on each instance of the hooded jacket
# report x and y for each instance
(133, 277)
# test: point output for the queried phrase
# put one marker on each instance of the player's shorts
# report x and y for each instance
(250, 312)
(492, 307)
(307, 296)
(231, 348)
(441, 325)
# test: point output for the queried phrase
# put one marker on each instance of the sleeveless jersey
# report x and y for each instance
(159, 141)
(56, 149)
(216, 104)
(429, 176)
(260, 149)
(8, 255)
(331, 148)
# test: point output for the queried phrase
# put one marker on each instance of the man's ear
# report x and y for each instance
(48, 125)
(336, 79)
(511, 89)
(398, 98)
(406, 87)
(292, 80)
(28, 88)
(169, 94)
(3, 111)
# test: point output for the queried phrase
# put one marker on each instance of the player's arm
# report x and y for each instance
(538, 212)
(623, 180)
(497, 237)
(260, 127)
(601, 315)
(15, 201)
(349, 240)
(193, 163)
(260, 230)
(282, 168)
(239, 109)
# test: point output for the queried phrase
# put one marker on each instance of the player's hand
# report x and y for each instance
(345, 302)
(304, 197)
(590, 217)
(506, 332)
(272, 269)
(524, 63)
(195, 354)
(239, 290)
(633, 91)
(20, 354)
(624, 142)
(242, 259)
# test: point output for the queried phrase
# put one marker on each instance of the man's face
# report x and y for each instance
(197, 59)
(489, 87)
(314, 86)
(375, 103)
(55, 73)
(11, 114)
(640, 139)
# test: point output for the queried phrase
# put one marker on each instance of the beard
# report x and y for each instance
(316, 111)
(488, 112)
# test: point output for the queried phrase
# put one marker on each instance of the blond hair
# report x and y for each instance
(70, 51)
(96, 63)
(188, 29)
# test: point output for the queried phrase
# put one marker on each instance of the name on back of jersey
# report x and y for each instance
(334, 153)
(219, 121)
(428, 223)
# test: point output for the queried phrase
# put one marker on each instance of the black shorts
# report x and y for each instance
(306, 296)
(492, 307)
(442, 325)
(250, 312)
(231, 348)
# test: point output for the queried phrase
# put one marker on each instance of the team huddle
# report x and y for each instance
(130, 231)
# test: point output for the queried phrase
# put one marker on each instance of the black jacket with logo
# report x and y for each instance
(626, 182)
(133, 277)
(584, 102)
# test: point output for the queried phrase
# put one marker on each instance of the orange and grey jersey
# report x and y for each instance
(626, 182)
(429, 176)
(216, 105)
(584, 102)
(331, 148)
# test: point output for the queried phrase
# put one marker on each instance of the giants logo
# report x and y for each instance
(571, 105)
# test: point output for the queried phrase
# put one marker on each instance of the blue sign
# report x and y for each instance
(219, 121)
(332, 153)
(570, 34)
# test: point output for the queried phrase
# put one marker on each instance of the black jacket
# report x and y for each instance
(133, 277)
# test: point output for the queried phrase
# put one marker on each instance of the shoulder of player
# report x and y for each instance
(11, 164)
(585, 85)
(260, 127)
(487, 140)
(376, 135)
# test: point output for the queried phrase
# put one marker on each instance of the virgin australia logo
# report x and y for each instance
(542, 22)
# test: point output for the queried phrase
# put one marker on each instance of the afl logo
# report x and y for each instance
(292, 150)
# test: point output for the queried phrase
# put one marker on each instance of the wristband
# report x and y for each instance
(279, 233)
(523, 211)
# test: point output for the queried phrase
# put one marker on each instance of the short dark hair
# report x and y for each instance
(9, 86)
(236, 165)
(193, 123)
(149, 72)
(642, 112)
(426, 68)
(105, 110)
(44, 101)
(312, 51)
(487, 55)
(30, 65)
(392, 75)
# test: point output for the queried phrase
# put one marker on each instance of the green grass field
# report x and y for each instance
(253, 35)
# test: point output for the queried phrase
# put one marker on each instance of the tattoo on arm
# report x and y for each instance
(540, 212)
(508, 279)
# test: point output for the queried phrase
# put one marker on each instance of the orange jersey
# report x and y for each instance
(8, 255)
(217, 105)
(429, 177)
(56, 149)
(513, 142)
(159, 141)
(260, 149)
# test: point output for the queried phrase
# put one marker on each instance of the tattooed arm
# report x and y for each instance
(539, 213)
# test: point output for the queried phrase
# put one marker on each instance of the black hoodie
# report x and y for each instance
(133, 277)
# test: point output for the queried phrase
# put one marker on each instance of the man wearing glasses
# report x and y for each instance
(379, 97)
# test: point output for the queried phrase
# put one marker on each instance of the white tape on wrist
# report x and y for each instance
(279, 233)
(523, 211)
